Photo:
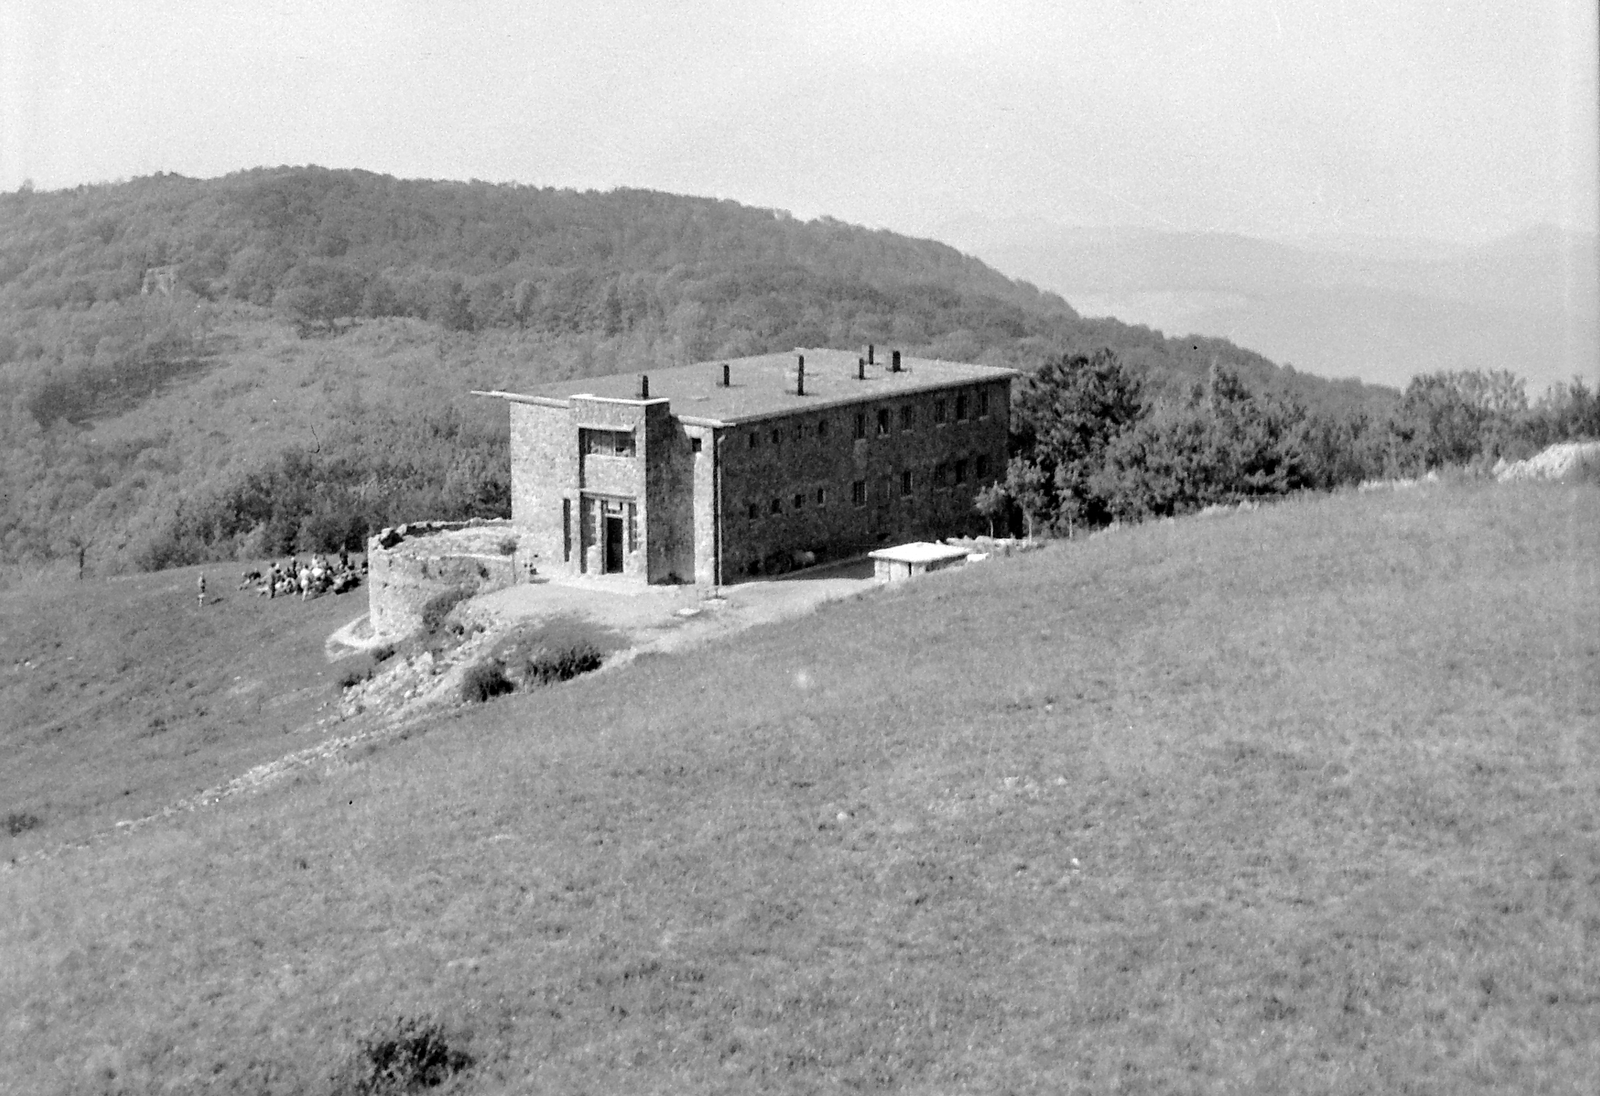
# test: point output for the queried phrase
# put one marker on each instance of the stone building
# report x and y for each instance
(713, 472)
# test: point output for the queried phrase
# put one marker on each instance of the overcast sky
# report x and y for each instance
(1453, 120)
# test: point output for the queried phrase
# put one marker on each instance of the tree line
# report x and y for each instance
(1090, 447)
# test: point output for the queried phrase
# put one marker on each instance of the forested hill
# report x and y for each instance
(164, 340)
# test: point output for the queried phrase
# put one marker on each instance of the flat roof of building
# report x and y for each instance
(919, 551)
(764, 385)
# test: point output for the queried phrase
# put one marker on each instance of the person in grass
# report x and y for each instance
(202, 591)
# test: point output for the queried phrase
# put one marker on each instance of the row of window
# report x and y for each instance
(952, 474)
(966, 406)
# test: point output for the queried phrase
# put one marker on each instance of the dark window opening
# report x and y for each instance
(858, 492)
(983, 403)
(961, 471)
(775, 506)
(566, 530)
(799, 500)
(822, 428)
(607, 443)
(907, 417)
(776, 438)
(694, 445)
(905, 483)
(938, 412)
(883, 422)
(755, 510)
(755, 440)
(941, 475)
(861, 425)
(822, 496)
(961, 407)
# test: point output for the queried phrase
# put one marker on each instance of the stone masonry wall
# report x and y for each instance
(800, 463)
(402, 578)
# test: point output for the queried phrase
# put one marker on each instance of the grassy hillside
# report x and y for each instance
(123, 695)
(1299, 800)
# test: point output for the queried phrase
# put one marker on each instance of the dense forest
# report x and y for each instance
(280, 359)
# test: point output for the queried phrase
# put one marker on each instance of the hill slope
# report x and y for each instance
(1266, 801)
(1379, 310)
(150, 347)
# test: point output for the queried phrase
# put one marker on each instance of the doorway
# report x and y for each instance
(613, 554)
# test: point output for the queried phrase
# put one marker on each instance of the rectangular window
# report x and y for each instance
(858, 492)
(907, 417)
(755, 510)
(941, 475)
(607, 443)
(799, 431)
(983, 403)
(883, 422)
(961, 471)
(694, 445)
(938, 412)
(776, 437)
(799, 500)
(566, 530)
(822, 428)
(905, 483)
(755, 440)
(981, 466)
(633, 527)
(861, 425)
(961, 407)
(822, 496)
(775, 506)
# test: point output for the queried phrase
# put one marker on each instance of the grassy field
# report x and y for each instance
(119, 696)
(1301, 800)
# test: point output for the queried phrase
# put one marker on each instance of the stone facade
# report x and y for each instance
(429, 559)
(696, 475)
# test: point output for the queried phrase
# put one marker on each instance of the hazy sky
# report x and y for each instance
(1454, 120)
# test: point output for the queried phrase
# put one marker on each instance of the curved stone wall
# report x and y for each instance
(408, 565)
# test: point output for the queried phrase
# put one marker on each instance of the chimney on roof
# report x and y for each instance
(800, 377)
(895, 365)
(869, 354)
(644, 386)
(727, 376)
(861, 369)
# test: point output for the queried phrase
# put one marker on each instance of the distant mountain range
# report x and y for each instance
(1380, 309)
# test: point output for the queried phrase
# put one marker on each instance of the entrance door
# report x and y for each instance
(613, 561)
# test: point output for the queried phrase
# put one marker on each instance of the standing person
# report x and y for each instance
(202, 590)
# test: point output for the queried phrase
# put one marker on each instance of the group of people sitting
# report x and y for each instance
(310, 577)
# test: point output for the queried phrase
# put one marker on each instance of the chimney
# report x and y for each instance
(644, 386)
(861, 369)
(800, 377)
(727, 376)
(869, 353)
(895, 366)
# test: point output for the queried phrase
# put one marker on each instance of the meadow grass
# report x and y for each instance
(1302, 800)
(119, 696)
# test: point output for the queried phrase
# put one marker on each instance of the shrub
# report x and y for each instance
(484, 681)
(507, 546)
(408, 1056)
(20, 822)
(552, 665)
(437, 607)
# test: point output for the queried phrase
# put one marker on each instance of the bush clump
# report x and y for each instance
(407, 1056)
(20, 822)
(551, 665)
(437, 607)
(484, 681)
